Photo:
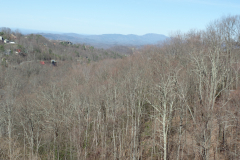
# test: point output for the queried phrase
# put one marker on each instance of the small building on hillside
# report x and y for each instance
(8, 52)
(69, 43)
(20, 53)
(13, 36)
(6, 41)
(66, 42)
(1, 39)
(17, 51)
(54, 63)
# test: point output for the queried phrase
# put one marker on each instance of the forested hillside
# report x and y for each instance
(177, 101)
(34, 47)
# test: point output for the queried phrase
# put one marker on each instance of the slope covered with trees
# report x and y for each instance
(176, 101)
(37, 48)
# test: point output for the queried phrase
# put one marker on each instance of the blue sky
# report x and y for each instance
(114, 16)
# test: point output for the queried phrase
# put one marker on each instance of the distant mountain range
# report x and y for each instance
(100, 41)
(108, 40)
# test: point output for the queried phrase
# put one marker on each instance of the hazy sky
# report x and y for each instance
(114, 16)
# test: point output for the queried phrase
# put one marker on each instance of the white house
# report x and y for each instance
(1, 39)
(6, 41)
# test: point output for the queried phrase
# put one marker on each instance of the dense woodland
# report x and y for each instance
(179, 100)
